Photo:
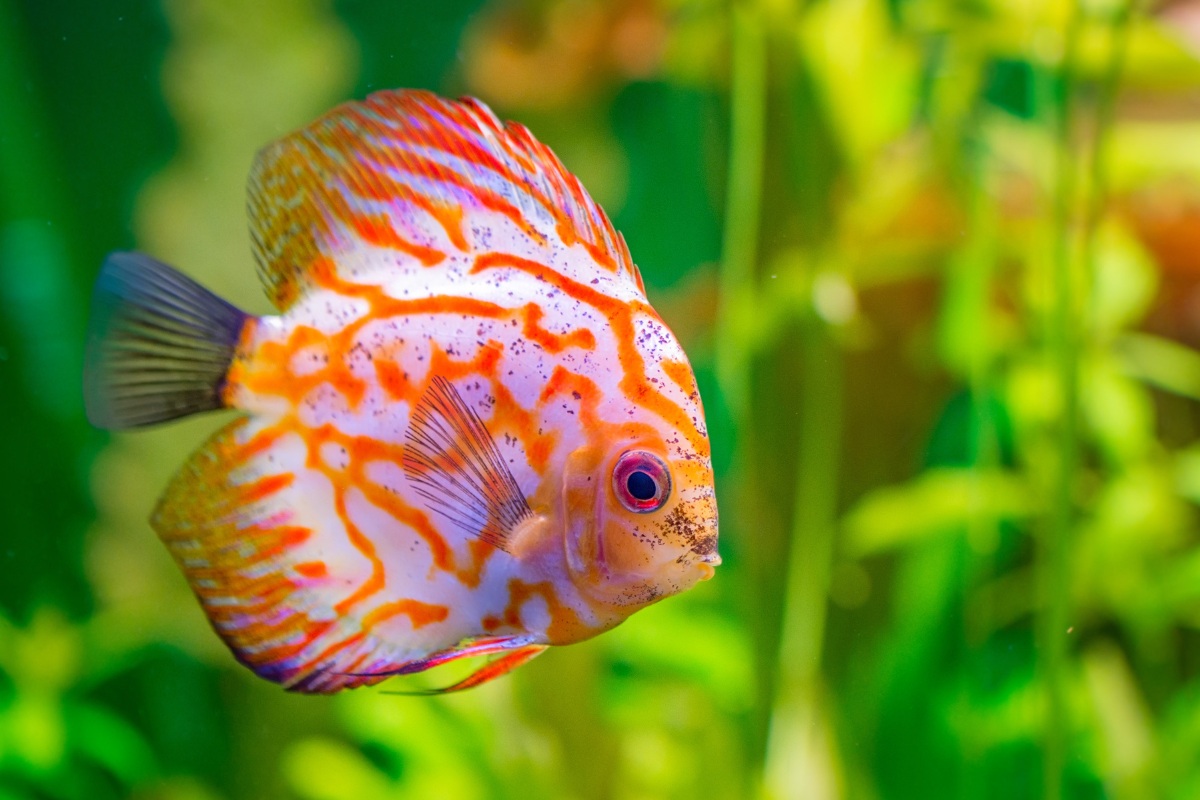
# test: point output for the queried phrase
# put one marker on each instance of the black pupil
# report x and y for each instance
(641, 485)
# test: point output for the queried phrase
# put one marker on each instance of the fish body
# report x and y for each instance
(466, 433)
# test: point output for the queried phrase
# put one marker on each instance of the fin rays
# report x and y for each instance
(454, 464)
(511, 652)
(395, 158)
(159, 344)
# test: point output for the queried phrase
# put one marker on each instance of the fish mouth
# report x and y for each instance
(708, 561)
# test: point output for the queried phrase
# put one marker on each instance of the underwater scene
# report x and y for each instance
(798, 399)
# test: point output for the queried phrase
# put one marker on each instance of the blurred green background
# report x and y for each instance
(937, 266)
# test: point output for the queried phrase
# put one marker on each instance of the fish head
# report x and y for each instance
(641, 515)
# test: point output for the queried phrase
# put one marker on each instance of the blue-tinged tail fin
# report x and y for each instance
(159, 344)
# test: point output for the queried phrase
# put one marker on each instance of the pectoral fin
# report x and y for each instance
(455, 466)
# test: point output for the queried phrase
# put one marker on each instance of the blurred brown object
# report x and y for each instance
(1183, 17)
(1166, 217)
(534, 56)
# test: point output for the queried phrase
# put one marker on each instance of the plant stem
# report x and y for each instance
(743, 202)
(1071, 285)
(1056, 541)
(798, 757)
(1105, 110)
(28, 192)
(975, 268)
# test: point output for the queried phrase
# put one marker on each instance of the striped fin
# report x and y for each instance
(514, 653)
(230, 529)
(405, 170)
(453, 462)
(159, 344)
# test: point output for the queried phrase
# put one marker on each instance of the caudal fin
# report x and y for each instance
(159, 344)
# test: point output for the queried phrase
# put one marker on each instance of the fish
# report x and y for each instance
(466, 432)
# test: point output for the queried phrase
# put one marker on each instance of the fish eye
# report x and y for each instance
(641, 481)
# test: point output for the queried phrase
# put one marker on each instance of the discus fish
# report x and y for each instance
(467, 433)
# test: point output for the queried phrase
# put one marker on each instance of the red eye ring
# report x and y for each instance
(641, 481)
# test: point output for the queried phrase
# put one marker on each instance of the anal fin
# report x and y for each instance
(232, 525)
(490, 671)
(513, 652)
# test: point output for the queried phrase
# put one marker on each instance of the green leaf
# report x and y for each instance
(324, 769)
(1125, 280)
(1118, 410)
(1162, 363)
(937, 503)
(867, 80)
(110, 741)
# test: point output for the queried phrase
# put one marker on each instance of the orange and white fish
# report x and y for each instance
(466, 433)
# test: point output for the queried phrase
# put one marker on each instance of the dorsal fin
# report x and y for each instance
(405, 169)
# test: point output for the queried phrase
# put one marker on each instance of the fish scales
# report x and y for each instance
(468, 431)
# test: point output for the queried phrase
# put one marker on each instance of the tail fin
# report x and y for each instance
(159, 344)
